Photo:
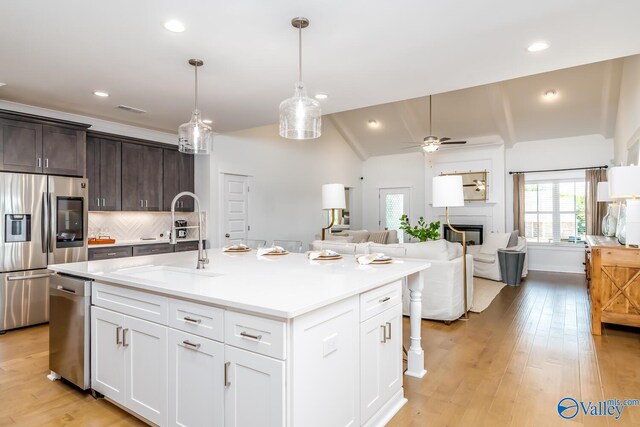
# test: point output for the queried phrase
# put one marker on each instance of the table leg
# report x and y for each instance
(415, 355)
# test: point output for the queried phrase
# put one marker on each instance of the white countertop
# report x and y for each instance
(138, 242)
(279, 286)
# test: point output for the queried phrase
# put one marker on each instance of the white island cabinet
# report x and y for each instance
(250, 341)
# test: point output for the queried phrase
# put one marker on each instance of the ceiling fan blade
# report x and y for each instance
(444, 139)
(413, 146)
(453, 142)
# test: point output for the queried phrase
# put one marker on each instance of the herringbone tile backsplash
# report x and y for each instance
(137, 225)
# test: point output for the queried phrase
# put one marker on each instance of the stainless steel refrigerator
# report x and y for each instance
(43, 221)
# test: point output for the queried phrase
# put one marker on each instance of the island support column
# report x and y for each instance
(415, 355)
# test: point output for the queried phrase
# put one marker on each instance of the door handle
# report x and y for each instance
(104, 203)
(50, 238)
(118, 340)
(146, 203)
(191, 319)
(383, 300)
(33, 276)
(227, 235)
(388, 337)
(384, 333)
(44, 233)
(98, 200)
(253, 337)
(38, 162)
(191, 345)
(227, 383)
(46, 163)
(124, 337)
(141, 204)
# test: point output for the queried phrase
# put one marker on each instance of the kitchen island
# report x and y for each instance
(270, 340)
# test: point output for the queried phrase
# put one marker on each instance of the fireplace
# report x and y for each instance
(473, 233)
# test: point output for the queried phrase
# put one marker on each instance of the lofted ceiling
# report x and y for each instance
(510, 111)
(54, 54)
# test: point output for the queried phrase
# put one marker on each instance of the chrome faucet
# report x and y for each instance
(202, 252)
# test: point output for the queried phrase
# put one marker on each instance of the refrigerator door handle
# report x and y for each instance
(50, 238)
(44, 233)
(33, 276)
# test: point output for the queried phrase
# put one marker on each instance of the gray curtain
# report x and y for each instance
(594, 211)
(518, 203)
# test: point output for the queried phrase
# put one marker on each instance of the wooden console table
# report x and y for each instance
(613, 275)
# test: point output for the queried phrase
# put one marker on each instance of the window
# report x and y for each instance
(555, 211)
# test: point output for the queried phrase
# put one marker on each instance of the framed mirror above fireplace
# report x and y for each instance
(473, 233)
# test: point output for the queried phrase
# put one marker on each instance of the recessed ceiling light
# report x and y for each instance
(2, 84)
(174, 26)
(321, 96)
(207, 121)
(100, 93)
(550, 95)
(374, 123)
(538, 46)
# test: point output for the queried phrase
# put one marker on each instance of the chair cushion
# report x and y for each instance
(435, 250)
(359, 236)
(489, 259)
(398, 250)
(493, 242)
(379, 237)
(513, 238)
(338, 238)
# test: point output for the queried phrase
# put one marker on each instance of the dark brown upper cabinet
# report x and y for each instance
(33, 144)
(104, 161)
(141, 177)
(178, 177)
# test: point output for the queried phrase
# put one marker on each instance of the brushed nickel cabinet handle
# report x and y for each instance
(112, 254)
(191, 319)
(104, 202)
(388, 337)
(384, 333)
(98, 201)
(253, 337)
(46, 163)
(191, 345)
(383, 300)
(226, 374)
(39, 162)
(118, 340)
(124, 337)
(141, 204)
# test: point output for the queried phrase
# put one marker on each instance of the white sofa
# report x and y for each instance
(485, 256)
(362, 236)
(442, 295)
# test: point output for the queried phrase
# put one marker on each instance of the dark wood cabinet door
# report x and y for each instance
(187, 180)
(63, 151)
(20, 146)
(171, 178)
(132, 172)
(110, 172)
(93, 173)
(151, 182)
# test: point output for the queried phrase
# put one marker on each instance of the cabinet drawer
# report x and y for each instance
(110, 252)
(160, 248)
(264, 336)
(153, 308)
(186, 246)
(378, 300)
(197, 319)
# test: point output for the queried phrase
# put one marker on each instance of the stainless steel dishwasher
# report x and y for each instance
(69, 329)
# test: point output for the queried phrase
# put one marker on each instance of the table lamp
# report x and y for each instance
(448, 192)
(332, 199)
(609, 222)
(624, 183)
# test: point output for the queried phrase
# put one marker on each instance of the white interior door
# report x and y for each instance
(235, 208)
(394, 202)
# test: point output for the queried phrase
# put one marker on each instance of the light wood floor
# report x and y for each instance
(509, 365)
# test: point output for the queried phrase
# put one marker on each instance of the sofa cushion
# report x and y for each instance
(359, 236)
(493, 242)
(340, 247)
(486, 258)
(397, 250)
(435, 250)
(339, 238)
(379, 237)
(513, 238)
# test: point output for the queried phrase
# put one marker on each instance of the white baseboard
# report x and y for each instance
(555, 269)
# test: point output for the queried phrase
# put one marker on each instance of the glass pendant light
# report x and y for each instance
(300, 116)
(195, 137)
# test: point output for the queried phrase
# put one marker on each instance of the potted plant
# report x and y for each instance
(421, 231)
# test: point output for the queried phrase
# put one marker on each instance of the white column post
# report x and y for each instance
(415, 355)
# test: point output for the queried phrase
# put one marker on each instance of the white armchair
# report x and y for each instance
(485, 256)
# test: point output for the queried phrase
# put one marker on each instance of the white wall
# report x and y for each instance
(400, 170)
(628, 119)
(286, 178)
(574, 152)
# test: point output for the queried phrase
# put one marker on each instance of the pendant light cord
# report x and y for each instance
(300, 51)
(430, 116)
(196, 106)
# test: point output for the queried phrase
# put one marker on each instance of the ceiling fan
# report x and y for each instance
(431, 143)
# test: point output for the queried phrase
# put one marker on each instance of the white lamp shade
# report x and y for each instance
(447, 191)
(333, 196)
(603, 192)
(624, 182)
(632, 222)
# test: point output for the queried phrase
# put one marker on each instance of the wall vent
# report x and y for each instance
(131, 109)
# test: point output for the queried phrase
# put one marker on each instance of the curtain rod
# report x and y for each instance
(560, 170)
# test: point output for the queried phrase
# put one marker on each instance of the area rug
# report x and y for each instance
(484, 291)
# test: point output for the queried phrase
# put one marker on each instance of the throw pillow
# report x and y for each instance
(435, 250)
(513, 238)
(359, 236)
(337, 238)
(379, 237)
(454, 249)
(493, 242)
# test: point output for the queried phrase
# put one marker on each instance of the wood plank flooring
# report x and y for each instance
(508, 366)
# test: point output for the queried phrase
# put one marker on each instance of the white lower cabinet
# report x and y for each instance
(196, 381)
(380, 360)
(254, 389)
(129, 362)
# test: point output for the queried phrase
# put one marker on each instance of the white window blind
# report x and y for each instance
(555, 211)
